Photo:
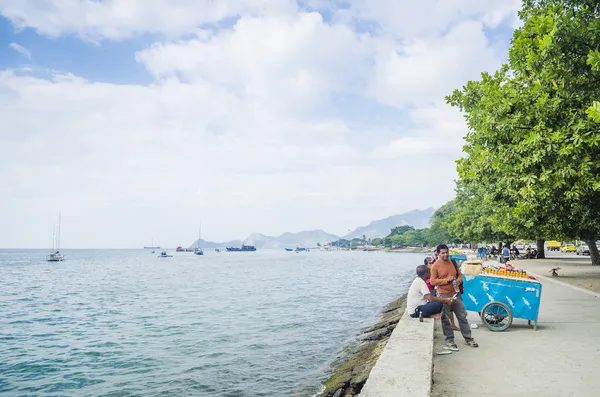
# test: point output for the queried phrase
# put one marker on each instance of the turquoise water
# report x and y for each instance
(126, 323)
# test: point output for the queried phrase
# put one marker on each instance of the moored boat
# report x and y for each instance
(55, 256)
(243, 248)
(151, 247)
(198, 250)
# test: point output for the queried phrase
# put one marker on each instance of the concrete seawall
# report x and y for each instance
(406, 364)
(350, 374)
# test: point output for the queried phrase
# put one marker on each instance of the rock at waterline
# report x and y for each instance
(349, 377)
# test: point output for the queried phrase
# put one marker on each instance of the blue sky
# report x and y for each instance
(292, 119)
(108, 61)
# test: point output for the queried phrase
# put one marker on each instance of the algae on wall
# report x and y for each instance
(349, 377)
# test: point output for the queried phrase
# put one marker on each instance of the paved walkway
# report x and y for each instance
(561, 359)
(575, 270)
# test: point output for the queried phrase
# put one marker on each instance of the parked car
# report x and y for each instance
(583, 249)
(553, 245)
(568, 248)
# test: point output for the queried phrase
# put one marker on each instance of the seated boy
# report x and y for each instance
(420, 299)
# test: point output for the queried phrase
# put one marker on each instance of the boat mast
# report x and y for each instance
(199, 235)
(53, 236)
(58, 240)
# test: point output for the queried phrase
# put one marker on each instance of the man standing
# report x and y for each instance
(420, 300)
(443, 274)
(506, 253)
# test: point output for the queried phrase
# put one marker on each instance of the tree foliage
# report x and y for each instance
(530, 167)
(398, 230)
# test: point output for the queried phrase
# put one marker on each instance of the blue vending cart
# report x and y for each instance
(499, 299)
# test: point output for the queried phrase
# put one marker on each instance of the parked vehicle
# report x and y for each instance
(568, 248)
(553, 245)
(583, 249)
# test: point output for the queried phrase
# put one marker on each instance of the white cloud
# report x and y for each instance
(21, 50)
(422, 70)
(279, 65)
(243, 127)
(119, 19)
(431, 18)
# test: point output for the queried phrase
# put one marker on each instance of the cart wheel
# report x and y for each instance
(496, 316)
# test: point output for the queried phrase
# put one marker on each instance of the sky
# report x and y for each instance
(141, 120)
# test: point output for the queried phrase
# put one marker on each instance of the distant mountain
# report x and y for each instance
(258, 240)
(308, 238)
(210, 244)
(381, 228)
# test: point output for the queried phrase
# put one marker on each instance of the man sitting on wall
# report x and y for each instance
(420, 300)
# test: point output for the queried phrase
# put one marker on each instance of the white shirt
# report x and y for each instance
(416, 295)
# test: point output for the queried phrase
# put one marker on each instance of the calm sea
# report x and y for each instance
(126, 323)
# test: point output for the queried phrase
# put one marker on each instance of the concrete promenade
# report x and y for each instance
(561, 359)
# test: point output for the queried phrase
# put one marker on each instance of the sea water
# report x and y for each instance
(127, 323)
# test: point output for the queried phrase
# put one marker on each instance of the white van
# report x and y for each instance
(583, 249)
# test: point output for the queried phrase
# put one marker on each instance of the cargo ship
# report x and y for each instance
(244, 248)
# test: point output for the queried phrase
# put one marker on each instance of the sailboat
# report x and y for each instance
(55, 255)
(153, 247)
(198, 250)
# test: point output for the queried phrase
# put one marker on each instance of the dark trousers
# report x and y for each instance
(428, 309)
(458, 308)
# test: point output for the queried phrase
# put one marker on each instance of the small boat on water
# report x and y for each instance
(165, 255)
(151, 247)
(297, 249)
(217, 250)
(181, 249)
(55, 256)
(243, 249)
(198, 250)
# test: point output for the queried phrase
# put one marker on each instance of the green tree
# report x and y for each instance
(413, 238)
(440, 230)
(400, 230)
(593, 60)
(531, 150)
